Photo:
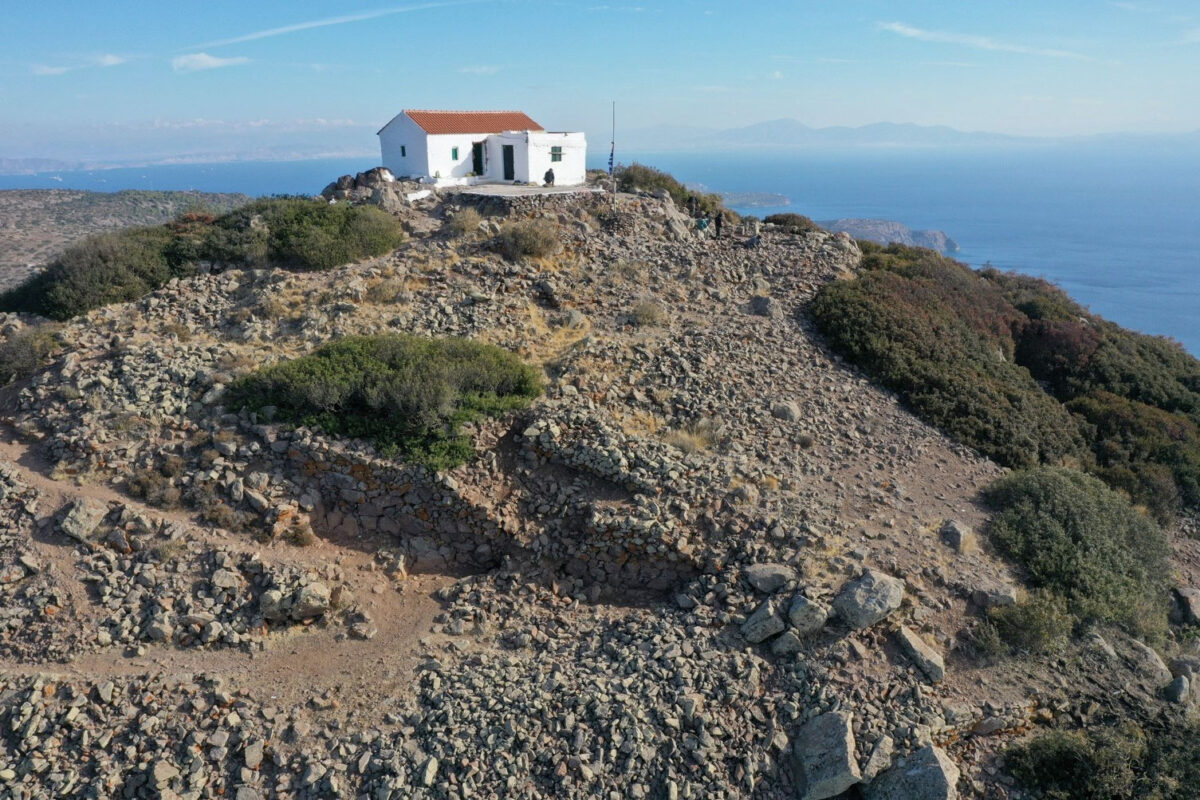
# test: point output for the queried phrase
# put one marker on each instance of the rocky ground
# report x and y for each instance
(712, 562)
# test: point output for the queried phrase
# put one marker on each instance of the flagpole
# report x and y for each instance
(612, 151)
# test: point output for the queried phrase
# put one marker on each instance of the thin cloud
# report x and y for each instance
(324, 23)
(1192, 37)
(102, 60)
(480, 70)
(193, 62)
(977, 42)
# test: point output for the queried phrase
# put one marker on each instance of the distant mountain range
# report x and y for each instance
(793, 133)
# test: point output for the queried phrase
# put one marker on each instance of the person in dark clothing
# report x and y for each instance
(692, 206)
(549, 177)
(717, 221)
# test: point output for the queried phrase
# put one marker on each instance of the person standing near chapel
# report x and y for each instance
(549, 177)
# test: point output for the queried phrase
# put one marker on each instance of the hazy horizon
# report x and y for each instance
(122, 82)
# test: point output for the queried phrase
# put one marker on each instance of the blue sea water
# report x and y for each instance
(1119, 231)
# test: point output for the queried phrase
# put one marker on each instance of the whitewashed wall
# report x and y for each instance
(441, 149)
(403, 131)
(571, 171)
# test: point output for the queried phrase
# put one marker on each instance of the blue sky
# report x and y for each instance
(125, 80)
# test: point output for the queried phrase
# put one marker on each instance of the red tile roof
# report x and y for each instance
(472, 121)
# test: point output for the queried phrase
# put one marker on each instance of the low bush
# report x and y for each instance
(792, 223)
(289, 232)
(532, 238)
(1040, 624)
(303, 233)
(465, 221)
(1083, 542)
(1120, 761)
(1072, 764)
(408, 394)
(641, 178)
(647, 313)
(26, 351)
(103, 269)
(1013, 367)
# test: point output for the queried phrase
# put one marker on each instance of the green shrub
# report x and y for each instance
(1083, 542)
(1038, 625)
(984, 643)
(1070, 764)
(793, 223)
(639, 177)
(26, 351)
(1013, 367)
(289, 232)
(532, 238)
(408, 394)
(103, 269)
(304, 233)
(1111, 762)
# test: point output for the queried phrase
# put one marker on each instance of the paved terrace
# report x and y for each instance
(510, 190)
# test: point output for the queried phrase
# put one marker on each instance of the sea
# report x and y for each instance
(1118, 229)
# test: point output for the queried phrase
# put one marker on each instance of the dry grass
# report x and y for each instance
(178, 330)
(385, 291)
(546, 343)
(647, 314)
(641, 423)
(695, 437)
(464, 222)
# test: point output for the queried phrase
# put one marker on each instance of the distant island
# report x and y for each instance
(887, 231)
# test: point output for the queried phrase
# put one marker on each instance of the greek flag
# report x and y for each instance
(611, 153)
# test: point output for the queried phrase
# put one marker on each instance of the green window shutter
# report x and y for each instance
(454, 153)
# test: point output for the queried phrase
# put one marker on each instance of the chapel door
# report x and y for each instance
(477, 158)
(510, 163)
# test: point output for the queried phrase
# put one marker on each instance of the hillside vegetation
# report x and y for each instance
(38, 224)
(1082, 542)
(1013, 367)
(286, 232)
(408, 394)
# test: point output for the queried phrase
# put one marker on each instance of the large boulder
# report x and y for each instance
(927, 774)
(959, 536)
(768, 578)
(807, 616)
(82, 519)
(922, 654)
(1188, 598)
(1148, 665)
(311, 601)
(763, 623)
(863, 602)
(825, 757)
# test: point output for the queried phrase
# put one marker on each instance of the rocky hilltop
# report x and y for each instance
(711, 561)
